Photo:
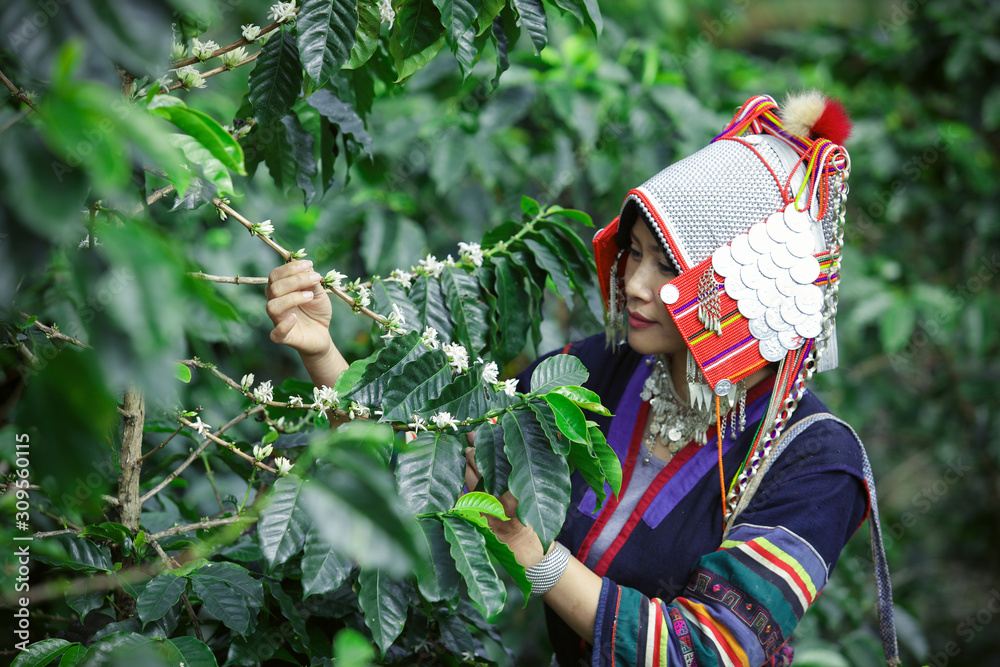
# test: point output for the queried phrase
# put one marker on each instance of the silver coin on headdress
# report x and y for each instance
(795, 220)
(771, 349)
(741, 250)
(787, 285)
(790, 340)
(790, 313)
(809, 327)
(781, 257)
(760, 330)
(769, 295)
(735, 287)
(759, 240)
(723, 262)
(751, 276)
(805, 271)
(750, 307)
(801, 244)
(767, 266)
(776, 228)
(775, 321)
(809, 299)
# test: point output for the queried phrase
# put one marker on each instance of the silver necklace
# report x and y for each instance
(676, 422)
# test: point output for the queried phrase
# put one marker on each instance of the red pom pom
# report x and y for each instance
(833, 124)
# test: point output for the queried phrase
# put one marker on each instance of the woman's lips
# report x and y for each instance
(637, 321)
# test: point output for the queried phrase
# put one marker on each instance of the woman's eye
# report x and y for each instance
(635, 253)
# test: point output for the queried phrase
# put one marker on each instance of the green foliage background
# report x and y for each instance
(449, 158)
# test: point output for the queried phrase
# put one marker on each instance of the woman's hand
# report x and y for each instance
(300, 309)
(521, 539)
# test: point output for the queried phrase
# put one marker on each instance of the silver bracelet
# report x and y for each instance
(545, 574)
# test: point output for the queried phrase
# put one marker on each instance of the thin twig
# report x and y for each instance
(226, 49)
(208, 523)
(22, 348)
(55, 333)
(13, 121)
(159, 194)
(217, 70)
(63, 588)
(53, 533)
(191, 457)
(17, 92)
(64, 522)
(172, 564)
(231, 447)
(234, 280)
(161, 445)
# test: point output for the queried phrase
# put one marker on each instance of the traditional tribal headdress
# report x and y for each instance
(754, 224)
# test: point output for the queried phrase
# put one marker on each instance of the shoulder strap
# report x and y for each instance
(883, 585)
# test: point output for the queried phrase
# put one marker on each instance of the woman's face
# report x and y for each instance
(651, 330)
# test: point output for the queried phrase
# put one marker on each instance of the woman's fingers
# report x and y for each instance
(296, 282)
(280, 332)
(277, 308)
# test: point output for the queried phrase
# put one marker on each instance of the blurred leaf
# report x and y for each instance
(183, 373)
(343, 116)
(206, 131)
(896, 325)
(532, 15)
(357, 511)
(301, 144)
(351, 649)
(42, 653)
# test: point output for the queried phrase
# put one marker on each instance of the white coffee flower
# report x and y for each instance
(444, 420)
(163, 84)
(284, 465)
(491, 372)
(458, 357)
(234, 57)
(395, 324)
(250, 32)
(246, 382)
(178, 51)
(418, 423)
(203, 50)
(261, 453)
(364, 297)
(386, 12)
(471, 252)
(404, 278)
(431, 266)
(282, 12)
(358, 411)
(510, 386)
(295, 401)
(324, 398)
(335, 279)
(298, 254)
(263, 393)
(200, 426)
(262, 229)
(430, 338)
(190, 77)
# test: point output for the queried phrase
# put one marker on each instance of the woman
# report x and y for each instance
(739, 490)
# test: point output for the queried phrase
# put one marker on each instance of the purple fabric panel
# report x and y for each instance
(697, 467)
(622, 427)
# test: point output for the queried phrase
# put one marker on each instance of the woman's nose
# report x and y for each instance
(636, 285)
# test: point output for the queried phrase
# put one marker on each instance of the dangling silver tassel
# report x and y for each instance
(699, 393)
(709, 309)
(614, 323)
